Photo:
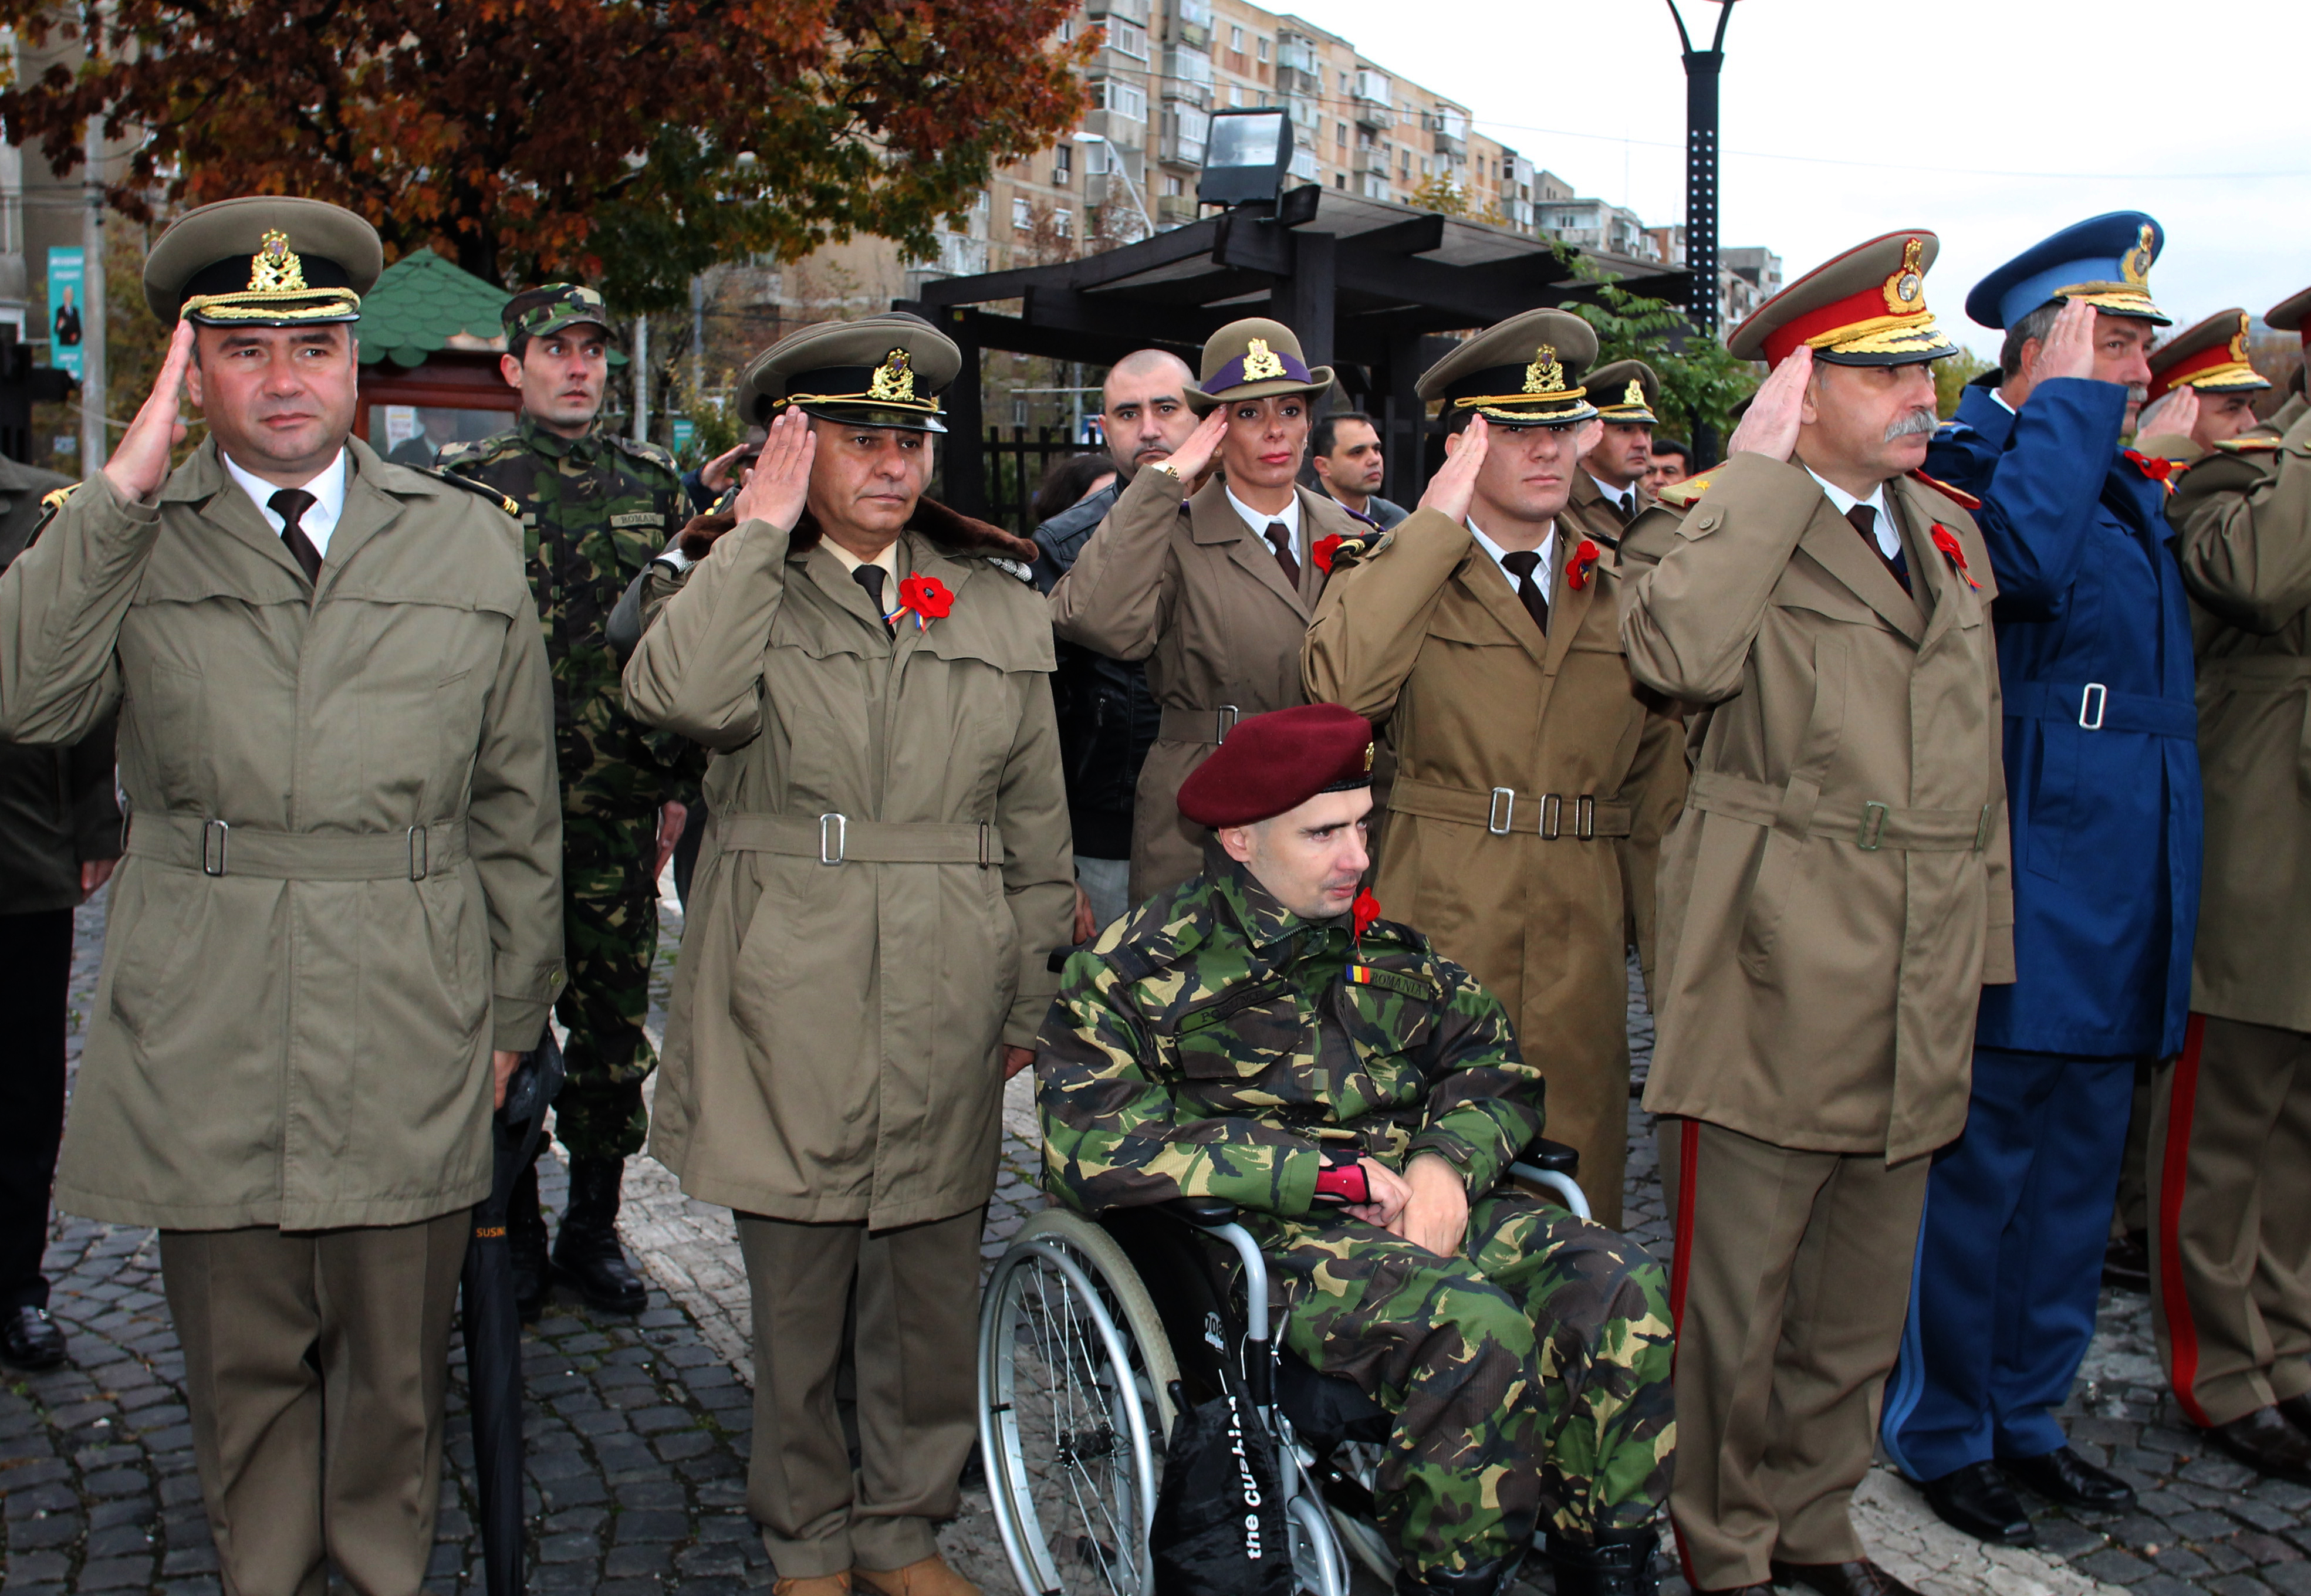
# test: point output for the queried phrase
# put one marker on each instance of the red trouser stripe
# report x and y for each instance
(2175, 1158)
(1688, 1153)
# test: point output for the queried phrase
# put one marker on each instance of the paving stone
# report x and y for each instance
(2115, 1567)
(114, 1573)
(2199, 1524)
(2238, 1584)
(2294, 1579)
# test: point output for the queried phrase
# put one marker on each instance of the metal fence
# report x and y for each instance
(1015, 469)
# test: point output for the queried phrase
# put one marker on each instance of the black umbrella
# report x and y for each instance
(492, 1324)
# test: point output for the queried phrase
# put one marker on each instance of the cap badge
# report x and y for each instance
(1260, 362)
(894, 379)
(1635, 396)
(2238, 341)
(2136, 264)
(1907, 283)
(274, 268)
(1368, 757)
(1545, 375)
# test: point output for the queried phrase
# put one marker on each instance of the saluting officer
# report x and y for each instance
(596, 507)
(1609, 490)
(1214, 591)
(879, 894)
(1832, 899)
(340, 914)
(1485, 634)
(2094, 650)
(2203, 389)
(2230, 1138)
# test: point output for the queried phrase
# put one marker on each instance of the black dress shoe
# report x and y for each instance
(2068, 1480)
(2126, 1261)
(1978, 1500)
(30, 1338)
(1860, 1578)
(2297, 1410)
(1486, 1579)
(1617, 1562)
(2267, 1443)
(586, 1254)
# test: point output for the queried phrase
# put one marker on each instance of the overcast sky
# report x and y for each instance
(1991, 122)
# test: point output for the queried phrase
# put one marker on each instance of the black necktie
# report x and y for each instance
(1628, 506)
(871, 576)
(1279, 539)
(291, 505)
(1521, 565)
(1864, 518)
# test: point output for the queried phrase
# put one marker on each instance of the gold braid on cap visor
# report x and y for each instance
(1883, 335)
(920, 406)
(2122, 299)
(1498, 406)
(276, 291)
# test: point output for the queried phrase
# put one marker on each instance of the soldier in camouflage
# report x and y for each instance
(595, 508)
(1262, 1036)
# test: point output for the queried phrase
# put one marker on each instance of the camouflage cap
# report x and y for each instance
(550, 307)
(264, 261)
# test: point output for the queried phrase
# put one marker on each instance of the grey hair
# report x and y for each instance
(2036, 325)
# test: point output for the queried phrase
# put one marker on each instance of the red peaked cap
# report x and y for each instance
(1274, 762)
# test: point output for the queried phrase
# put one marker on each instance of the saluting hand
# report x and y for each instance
(2177, 412)
(1194, 456)
(781, 480)
(1455, 483)
(1771, 426)
(141, 464)
(2067, 351)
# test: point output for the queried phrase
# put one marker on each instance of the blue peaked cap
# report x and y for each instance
(2105, 260)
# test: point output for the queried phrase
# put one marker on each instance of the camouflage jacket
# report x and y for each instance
(594, 511)
(1213, 1043)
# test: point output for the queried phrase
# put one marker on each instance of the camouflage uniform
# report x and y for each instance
(1212, 1043)
(594, 511)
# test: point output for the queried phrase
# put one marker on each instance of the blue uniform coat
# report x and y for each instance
(2092, 625)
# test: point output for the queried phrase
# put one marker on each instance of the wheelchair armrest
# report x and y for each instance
(1554, 1157)
(1204, 1213)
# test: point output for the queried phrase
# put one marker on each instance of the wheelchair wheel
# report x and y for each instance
(1074, 1409)
(1360, 1461)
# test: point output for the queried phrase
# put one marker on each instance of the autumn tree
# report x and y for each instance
(631, 142)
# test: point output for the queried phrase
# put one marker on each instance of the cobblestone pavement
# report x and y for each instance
(638, 1431)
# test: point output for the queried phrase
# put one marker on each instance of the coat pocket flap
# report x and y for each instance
(1006, 649)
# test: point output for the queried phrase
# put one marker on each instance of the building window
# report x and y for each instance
(1236, 41)
(1236, 94)
(1022, 218)
(1063, 222)
(1340, 134)
(1124, 99)
(1263, 48)
(1127, 39)
(1339, 179)
(1174, 187)
(1063, 164)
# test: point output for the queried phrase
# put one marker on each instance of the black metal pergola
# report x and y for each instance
(1367, 286)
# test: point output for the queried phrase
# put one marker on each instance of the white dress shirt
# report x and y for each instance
(887, 561)
(1544, 575)
(328, 490)
(1889, 538)
(1614, 495)
(1289, 515)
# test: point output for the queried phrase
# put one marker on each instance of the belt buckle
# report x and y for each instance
(986, 839)
(840, 833)
(2098, 695)
(1870, 834)
(1584, 818)
(1223, 720)
(1552, 817)
(420, 857)
(215, 834)
(1982, 830)
(1499, 819)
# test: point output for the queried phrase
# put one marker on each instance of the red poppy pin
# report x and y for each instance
(1324, 549)
(2154, 466)
(927, 596)
(1364, 911)
(1584, 561)
(1954, 553)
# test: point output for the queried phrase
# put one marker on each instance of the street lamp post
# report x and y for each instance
(1702, 68)
(1115, 165)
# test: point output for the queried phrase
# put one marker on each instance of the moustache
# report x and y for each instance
(1913, 422)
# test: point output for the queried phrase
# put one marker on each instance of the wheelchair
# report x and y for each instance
(1096, 1330)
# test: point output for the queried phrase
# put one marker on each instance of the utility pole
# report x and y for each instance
(95, 448)
(1702, 71)
(641, 378)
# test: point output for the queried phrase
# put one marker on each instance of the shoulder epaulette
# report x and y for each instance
(2249, 444)
(479, 490)
(1958, 496)
(1346, 548)
(642, 448)
(1679, 494)
(54, 499)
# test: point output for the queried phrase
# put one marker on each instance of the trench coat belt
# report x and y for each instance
(1868, 824)
(1199, 726)
(2094, 707)
(215, 848)
(834, 838)
(2276, 676)
(1506, 812)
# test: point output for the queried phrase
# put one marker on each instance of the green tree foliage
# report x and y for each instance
(1700, 381)
(1952, 375)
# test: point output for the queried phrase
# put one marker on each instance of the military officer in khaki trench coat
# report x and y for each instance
(2230, 1136)
(1610, 492)
(1212, 585)
(1483, 635)
(871, 925)
(340, 914)
(1832, 899)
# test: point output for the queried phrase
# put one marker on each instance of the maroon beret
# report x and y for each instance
(1277, 761)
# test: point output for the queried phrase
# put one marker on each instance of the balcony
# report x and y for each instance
(961, 256)
(1185, 131)
(1176, 210)
(1133, 11)
(1189, 22)
(1370, 163)
(1187, 75)
(1373, 114)
(1296, 54)
(1452, 129)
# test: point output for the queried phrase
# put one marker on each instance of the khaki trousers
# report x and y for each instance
(2230, 1253)
(314, 1366)
(914, 1293)
(1790, 1284)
